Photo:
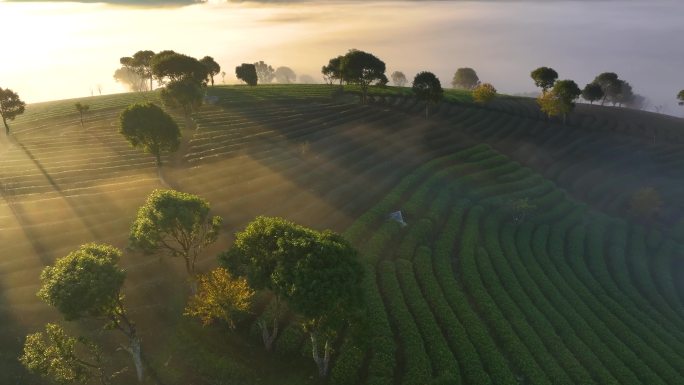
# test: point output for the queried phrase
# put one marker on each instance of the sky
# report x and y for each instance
(61, 50)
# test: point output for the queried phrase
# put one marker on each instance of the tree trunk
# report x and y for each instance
(158, 158)
(135, 352)
(268, 336)
(323, 362)
(151, 83)
(4, 121)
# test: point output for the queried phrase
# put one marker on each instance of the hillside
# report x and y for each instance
(580, 291)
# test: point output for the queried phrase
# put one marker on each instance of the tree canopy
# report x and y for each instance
(484, 93)
(465, 78)
(140, 64)
(399, 79)
(247, 73)
(82, 109)
(130, 79)
(333, 70)
(220, 296)
(544, 78)
(680, 97)
(176, 222)
(265, 72)
(172, 66)
(363, 69)
(285, 75)
(185, 95)
(10, 106)
(213, 68)
(592, 92)
(609, 83)
(426, 87)
(147, 126)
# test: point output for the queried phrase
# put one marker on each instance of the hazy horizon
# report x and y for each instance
(67, 49)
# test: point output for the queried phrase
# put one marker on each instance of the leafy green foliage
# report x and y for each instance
(220, 296)
(544, 77)
(333, 70)
(176, 222)
(680, 97)
(55, 355)
(484, 93)
(87, 282)
(10, 106)
(139, 64)
(213, 68)
(592, 92)
(172, 66)
(427, 87)
(363, 69)
(465, 78)
(247, 73)
(185, 95)
(147, 126)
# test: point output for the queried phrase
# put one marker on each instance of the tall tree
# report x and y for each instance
(213, 68)
(427, 87)
(610, 85)
(265, 72)
(363, 69)
(465, 78)
(130, 79)
(141, 64)
(333, 71)
(567, 92)
(247, 73)
(285, 75)
(623, 94)
(592, 92)
(172, 66)
(175, 222)
(398, 78)
(220, 296)
(484, 93)
(185, 95)
(10, 106)
(544, 78)
(680, 98)
(87, 283)
(55, 355)
(82, 109)
(147, 126)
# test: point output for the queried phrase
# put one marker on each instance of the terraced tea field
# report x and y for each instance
(577, 293)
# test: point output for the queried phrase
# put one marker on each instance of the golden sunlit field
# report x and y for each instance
(582, 292)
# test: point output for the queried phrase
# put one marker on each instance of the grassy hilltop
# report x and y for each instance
(580, 291)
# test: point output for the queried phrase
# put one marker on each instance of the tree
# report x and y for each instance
(10, 106)
(184, 95)
(147, 126)
(141, 64)
(213, 68)
(306, 79)
(82, 109)
(544, 78)
(172, 66)
(219, 297)
(325, 288)
(680, 98)
(176, 222)
(465, 78)
(609, 83)
(550, 104)
(622, 93)
(645, 203)
(317, 273)
(363, 69)
(264, 72)
(333, 71)
(285, 75)
(223, 77)
(484, 93)
(567, 92)
(130, 79)
(87, 283)
(427, 87)
(64, 359)
(398, 78)
(592, 92)
(247, 73)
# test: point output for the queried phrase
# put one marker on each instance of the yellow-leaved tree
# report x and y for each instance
(220, 296)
